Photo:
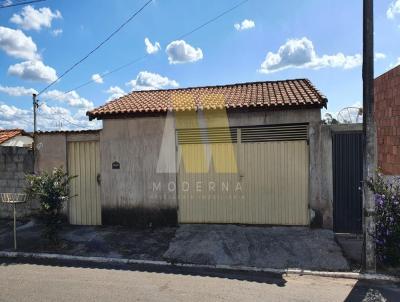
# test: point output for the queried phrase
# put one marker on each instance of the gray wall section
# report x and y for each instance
(51, 152)
(136, 142)
(15, 163)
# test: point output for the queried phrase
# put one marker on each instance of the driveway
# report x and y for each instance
(265, 247)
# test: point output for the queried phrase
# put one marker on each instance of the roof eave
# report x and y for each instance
(120, 115)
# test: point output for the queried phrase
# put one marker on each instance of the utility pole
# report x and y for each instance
(35, 107)
(369, 136)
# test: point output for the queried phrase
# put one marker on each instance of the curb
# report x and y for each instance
(346, 275)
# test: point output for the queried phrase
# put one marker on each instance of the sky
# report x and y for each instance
(258, 41)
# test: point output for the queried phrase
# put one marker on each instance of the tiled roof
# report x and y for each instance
(288, 93)
(7, 134)
(83, 131)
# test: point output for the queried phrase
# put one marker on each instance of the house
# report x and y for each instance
(246, 153)
(15, 138)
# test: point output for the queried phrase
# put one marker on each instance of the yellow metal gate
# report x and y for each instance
(84, 162)
(269, 185)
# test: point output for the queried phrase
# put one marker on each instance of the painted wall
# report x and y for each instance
(18, 141)
(387, 118)
(145, 179)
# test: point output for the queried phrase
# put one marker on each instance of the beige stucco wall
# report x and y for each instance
(136, 143)
(51, 148)
(50, 151)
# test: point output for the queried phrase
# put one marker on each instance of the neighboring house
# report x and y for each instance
(245, 153)
(15, 138)
(387, 118)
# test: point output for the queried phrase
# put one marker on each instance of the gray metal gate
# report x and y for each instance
(347, 178)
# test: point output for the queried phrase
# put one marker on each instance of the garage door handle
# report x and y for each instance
(98, 178)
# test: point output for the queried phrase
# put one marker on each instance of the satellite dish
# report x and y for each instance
(350, 115)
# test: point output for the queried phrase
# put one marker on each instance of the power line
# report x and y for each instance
(97, 47)
(107, 73)
(212, 20)
(19, 3)
(145, 56)
(69, 122)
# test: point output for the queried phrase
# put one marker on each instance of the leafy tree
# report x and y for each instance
(52, 191)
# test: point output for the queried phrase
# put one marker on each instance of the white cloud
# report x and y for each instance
(97, 78)
(71, 98)
(31, 18)
(7, 2)
(49, 118)
(17, 90)
(116, 92)
(244, 25)
(393, 10)
(181, 52)
(148, 81)
(33, 70)
(151, 48)
(56, 32)
(300, 53)
(13, 117)
(380, 56)
(16, 44)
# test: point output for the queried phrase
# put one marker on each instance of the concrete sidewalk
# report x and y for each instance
(90, 241)
(264, 247)
(221, 245)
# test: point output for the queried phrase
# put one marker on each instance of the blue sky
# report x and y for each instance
(260, 40)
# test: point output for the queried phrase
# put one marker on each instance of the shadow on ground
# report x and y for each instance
(259, 277)
(374, 291)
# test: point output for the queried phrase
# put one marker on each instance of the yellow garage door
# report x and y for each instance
(84, 162)
(260, 176)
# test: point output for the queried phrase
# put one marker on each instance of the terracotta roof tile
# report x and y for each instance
(8, 134)
(288, 93)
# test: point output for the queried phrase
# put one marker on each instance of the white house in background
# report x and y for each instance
(15, 138)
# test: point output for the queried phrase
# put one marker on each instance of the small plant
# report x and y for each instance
(387, 219)
(52, 191)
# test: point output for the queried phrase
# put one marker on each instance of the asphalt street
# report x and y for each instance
(24, 281)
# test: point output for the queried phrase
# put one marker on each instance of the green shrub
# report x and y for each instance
(387, 219)
(52, 191)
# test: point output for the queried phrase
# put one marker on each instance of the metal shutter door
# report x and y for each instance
(272, 172)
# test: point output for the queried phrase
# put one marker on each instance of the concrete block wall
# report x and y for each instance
(387, 118)
(15, 163)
